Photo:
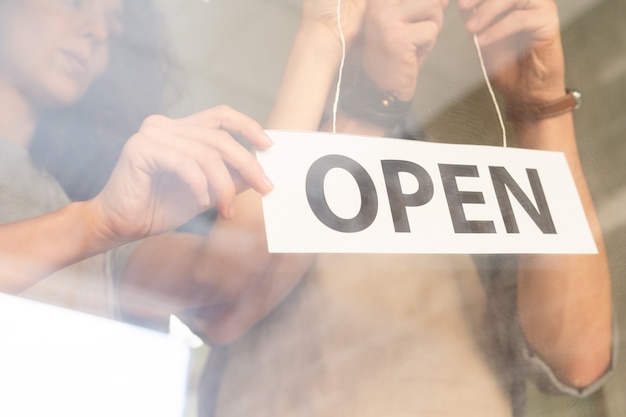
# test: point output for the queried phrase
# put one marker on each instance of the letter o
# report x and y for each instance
(317, 198)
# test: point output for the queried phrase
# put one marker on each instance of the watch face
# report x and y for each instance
(577, 96)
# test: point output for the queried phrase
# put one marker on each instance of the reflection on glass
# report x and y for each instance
(60, 362)
(125, 192)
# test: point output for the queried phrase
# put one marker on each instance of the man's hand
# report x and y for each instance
(521, 45)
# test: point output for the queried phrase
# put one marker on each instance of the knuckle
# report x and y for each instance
(154, 120)
(216, 116)
(225, 190)
(431, 30)
(394, 34)
(377, 17)
(221, 110)
(210, 155)
(134, 143)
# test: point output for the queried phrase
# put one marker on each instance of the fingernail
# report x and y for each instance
(269, 185)
(230, 212)
(267, 139)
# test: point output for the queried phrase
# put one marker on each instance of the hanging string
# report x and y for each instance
(482, 67)
(493, 96)
(343, 60)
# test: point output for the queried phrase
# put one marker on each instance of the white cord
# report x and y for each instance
(493, 96)
(480, 58)
(343, 60)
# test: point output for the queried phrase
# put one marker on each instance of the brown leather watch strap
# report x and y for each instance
(524, 112)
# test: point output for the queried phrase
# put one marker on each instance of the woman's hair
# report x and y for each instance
(79, 145)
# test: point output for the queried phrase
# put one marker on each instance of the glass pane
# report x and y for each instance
(126, 216)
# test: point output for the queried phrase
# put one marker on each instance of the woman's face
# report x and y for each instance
(52, 50)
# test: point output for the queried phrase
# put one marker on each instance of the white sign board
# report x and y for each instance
(347, 193)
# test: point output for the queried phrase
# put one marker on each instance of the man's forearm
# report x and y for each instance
(565, 300)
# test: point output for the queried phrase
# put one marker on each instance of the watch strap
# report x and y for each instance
(524, 112)
(364, 100)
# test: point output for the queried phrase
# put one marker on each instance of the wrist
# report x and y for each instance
(364, 100)
(314, 60)
(321, 40)
(98, 233)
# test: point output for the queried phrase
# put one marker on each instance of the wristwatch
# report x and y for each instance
(524, 112)
(363, 99)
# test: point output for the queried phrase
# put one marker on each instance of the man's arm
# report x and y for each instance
(564, 301)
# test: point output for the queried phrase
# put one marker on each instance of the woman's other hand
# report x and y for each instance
(171, 170)
(398, 36)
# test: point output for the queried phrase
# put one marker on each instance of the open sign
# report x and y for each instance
(345, 193)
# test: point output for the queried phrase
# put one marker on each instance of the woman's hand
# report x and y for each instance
(521, 46)
(398, 36)
(172, 170)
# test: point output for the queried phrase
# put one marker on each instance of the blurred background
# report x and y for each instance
(234, 51)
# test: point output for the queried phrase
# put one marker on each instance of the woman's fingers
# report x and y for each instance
(194, 149)
(171, 170)
(399, 35)
(485, 13)
(234, 154)
(416, 11)
(161, 152)
(224, 117)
